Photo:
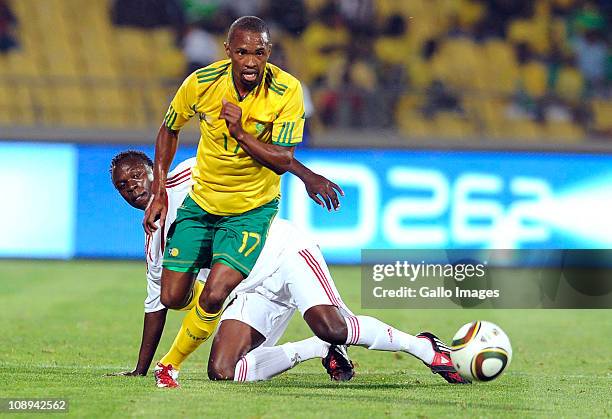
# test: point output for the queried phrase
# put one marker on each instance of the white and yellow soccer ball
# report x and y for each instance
(481, 351)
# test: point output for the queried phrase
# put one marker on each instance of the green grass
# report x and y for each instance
(65, 324)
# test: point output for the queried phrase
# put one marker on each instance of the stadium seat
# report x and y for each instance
(22, 64)
(523, 129)
(409, 119)
(393, 50)
(502, 69)
(313, 6)
(452, 126)
(533, 32)
(420, 73)
(534, 78)
(456, 64)
(72, 105)
(569, 85)
(415, 126)
(564, 131)
(4, 67)
(5, 104)
(602, 115)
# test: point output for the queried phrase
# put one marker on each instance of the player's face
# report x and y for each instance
(133, 178)
(249, 52)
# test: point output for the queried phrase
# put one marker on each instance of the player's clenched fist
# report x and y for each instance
(233, 118)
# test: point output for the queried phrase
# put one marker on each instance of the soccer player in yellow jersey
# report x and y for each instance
(251, 116)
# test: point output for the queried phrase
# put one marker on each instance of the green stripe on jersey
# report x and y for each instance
(211, 77)
(276, 90)
(288, 133)
(277, 86)
(280, 134)
(280, 85)
(291, 133)
(209, 70)
(171, 124)
(168, 116)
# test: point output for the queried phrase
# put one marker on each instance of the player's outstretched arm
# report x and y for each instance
(317, 185)
(165, 148)
(274, 157)
(151, 334)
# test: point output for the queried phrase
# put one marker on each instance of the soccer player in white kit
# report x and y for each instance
(289, 275)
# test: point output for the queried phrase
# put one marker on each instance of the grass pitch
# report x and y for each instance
(64, 325)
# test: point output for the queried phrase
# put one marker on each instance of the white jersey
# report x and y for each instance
(283, 239)
(178, 185)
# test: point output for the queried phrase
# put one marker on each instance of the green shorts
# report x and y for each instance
(198, 239)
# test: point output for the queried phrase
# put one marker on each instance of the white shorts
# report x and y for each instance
(303, 281)
(269, 318)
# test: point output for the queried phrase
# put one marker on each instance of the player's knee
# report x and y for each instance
(212, 299)
(220, 370)
(173, 301)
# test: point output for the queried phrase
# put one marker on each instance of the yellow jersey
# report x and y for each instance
(228, 181)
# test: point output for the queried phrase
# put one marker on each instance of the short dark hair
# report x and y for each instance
(129, 154)
(249, 24)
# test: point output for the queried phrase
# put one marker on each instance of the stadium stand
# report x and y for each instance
(428, 68)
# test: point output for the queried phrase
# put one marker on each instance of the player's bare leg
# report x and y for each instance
(327, 324)
(220, 283)
(200, 321)
(237, 353)
(176, 288)
(233, 340)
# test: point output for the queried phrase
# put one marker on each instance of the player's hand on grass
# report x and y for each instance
(126, 374)
(156, 210)
(319, 186)
(233, 119)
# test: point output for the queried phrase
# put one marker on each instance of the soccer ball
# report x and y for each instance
(480, 351)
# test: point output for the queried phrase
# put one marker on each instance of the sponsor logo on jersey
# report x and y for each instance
(174, 252)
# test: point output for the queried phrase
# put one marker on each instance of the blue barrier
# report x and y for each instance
(394, 199)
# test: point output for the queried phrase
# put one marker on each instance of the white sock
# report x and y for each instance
(373, 334)
(305, 349)
(264, 363)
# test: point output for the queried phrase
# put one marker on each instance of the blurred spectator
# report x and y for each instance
(500, 13)
(325, 43)
(290, 15)
(198, 11)
(587, 17)
(148, 13)
(200, 48)
(243, 7)
(555, 110)
(531, 85)
(279, 58)
(8, 22)
(359, 15)
(591, 55)
(392, 44)
(439, 98)
(458, 30)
